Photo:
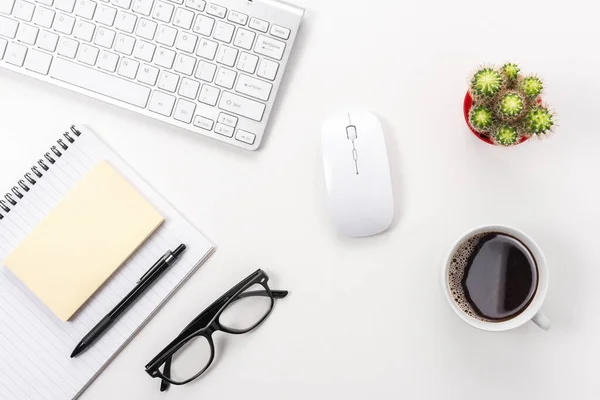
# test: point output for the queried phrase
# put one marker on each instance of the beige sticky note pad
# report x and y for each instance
(81, 243)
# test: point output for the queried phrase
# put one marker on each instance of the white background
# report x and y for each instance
(366, 318)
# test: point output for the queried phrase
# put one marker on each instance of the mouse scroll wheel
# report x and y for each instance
(351, 132)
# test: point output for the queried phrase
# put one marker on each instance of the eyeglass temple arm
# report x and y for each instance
(277, 294)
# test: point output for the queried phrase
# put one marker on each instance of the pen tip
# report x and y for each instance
(76, 352)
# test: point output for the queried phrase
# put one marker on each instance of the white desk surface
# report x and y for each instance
(366, 318)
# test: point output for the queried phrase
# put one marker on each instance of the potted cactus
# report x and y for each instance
(505, 108)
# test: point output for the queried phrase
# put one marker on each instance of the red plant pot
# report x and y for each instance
(483, 136)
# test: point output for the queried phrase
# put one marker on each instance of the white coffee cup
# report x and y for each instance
(532, 312)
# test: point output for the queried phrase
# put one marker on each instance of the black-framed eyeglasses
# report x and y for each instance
(240, 310)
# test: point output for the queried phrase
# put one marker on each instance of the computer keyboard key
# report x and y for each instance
(64, 24)
(237, 17)
(207, 49)
(105, 37)
(24, 10)
(205, 71)
(38, 61)
(161, 103)
(203, 25)
(88, 54)
(124, 44)
(164, 58)
(8, 27)
(3, 44)
(144, 50)
(259, 24)
(253, 87)
(47, 41)
(45, 2)
(244, 136)
(43, 17)
(128, 68)
(108, 61)
(85, 9)
(269, 47)
(15, 54)
(228, 120)
(242, 106)
(223, 32)
(185, 64)
(142, 6)
(244, 38)
(189, 88)
(68, 47)
(6, 6)
(184, 111)
(106, 15)
(125, 22)
(280, 32)
(196, 4)
(168, 81)
(227, 56)
(267, 69)
(27, 34)
(183, 18)
(84, 30)
(65, 5)
(209, 95)
(148, 74)
(166, 35)
(225, 78)
(100, 82)
(216, 10)
(203, 123)
(186, 42)
(146, 29)
(247, 63)
(163, 11)
(122, 3)
(224, 130)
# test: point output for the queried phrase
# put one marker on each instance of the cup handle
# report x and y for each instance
(542, 321)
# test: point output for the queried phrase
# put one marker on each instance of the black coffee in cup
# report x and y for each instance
(493, 276)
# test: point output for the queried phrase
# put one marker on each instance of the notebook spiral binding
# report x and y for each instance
(37, 171)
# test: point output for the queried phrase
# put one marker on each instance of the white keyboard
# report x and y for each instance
(210, 67)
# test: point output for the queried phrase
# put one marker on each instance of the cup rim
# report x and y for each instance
(536, 303)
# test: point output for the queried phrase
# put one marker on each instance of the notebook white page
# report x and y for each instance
(35, 345)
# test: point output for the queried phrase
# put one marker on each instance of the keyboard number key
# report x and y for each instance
(247, 63)
(203, 25)
(15, 54)
(122, 3)
(267, 69)
(196, 4)
(161, 103)
(209, 95)
(237, 17)
(216, 10)
(280, 32)
(163, 11)
(259, 24)
(183, 18)
(245, 137)
(269, 47)
(24, 10)
(204, 123)
(142, 6)
(184, 111)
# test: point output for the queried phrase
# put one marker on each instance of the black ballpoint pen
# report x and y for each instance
(144, 283)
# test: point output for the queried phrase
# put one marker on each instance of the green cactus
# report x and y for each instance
(511, 72)
(486, 83)
(532, 86)
(481, 118)
(506, 135)
(539, 120)
(506, 105)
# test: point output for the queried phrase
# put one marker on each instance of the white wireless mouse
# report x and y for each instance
(357, 174)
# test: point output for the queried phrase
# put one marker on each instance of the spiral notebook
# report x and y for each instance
(35, 344)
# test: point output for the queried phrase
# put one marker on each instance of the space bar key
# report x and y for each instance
(99, 82)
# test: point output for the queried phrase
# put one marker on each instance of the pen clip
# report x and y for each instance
(153, 268)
